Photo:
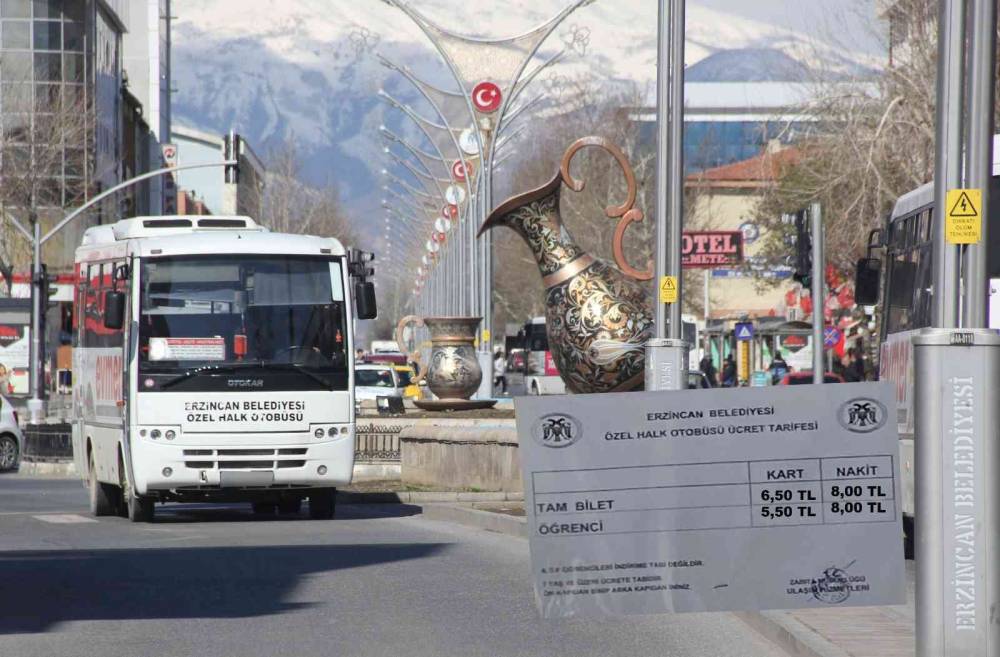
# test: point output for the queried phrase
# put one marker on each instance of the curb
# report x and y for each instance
(499, 523)
(63, 469)
(792, 636)
(418, 497)
(780, 628)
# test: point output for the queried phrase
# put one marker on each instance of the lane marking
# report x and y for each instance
(63, 518)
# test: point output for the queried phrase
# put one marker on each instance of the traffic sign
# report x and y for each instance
(964, 222)
(744, 331)
(831, 336)
(486, 97)
(668, 289)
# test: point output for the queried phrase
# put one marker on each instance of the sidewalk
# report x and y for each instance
(848, 632)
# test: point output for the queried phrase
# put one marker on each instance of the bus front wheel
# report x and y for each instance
(322, 503)
(137, 509)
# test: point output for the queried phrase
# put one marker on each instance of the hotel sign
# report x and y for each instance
(711, 248)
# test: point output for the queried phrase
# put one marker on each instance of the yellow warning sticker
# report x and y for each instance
(486, 335)
(964, 221)
(668, 289)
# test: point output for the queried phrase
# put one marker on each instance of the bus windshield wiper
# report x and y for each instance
(295, 367)
(232, 367)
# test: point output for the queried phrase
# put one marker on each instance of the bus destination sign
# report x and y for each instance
(688, 501)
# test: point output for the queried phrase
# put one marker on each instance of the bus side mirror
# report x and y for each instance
(866, 281)
(364, 300)
(114, 309)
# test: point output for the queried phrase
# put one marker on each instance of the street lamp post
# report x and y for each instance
(492, 80)
(36, 403)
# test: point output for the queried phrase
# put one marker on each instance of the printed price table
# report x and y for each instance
(756, 498)
(720, 495)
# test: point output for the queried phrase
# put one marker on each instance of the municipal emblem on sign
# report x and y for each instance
(486, 97)
(557, 430)
(862, 415)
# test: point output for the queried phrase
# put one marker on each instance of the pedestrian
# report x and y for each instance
(859, 365)
(500, 371)
(359, 355)
(707, 368)
(778, 368)
(729, 372)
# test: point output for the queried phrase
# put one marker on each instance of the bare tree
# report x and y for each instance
(290, 205)
(45, 166)
(873, 140)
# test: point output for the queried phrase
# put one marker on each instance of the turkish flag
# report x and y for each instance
(807, 305)
(791, 298)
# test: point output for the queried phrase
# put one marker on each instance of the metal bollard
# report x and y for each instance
(957, 429)
(666, 364)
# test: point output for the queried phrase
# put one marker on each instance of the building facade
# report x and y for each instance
(70, 124)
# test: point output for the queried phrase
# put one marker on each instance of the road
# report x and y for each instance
(214, 580)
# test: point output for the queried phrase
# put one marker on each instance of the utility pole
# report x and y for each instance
(36, 372)
(818, 291)
(666, 352)
(957, 370)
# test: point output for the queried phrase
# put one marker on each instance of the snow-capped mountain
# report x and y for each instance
(306, 69)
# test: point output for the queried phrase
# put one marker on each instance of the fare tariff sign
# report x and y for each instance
(711, 248)
(712, 500)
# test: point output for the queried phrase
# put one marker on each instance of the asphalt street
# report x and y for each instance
(216, 581)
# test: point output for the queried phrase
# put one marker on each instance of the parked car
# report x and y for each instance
(11, 438)
(806, 376)
(411, 390)
(697, 380)
(372, 381)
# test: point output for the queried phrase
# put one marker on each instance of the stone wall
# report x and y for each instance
(460, 455)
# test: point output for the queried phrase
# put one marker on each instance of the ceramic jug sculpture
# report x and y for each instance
(453, 373)
(596, 317)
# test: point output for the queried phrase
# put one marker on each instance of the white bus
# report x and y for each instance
(212, 363)
(532, 370)
(901, 282)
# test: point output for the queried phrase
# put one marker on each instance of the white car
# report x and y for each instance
(372, 381)
(11, 438)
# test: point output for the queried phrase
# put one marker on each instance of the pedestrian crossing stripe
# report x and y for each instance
(63, 518)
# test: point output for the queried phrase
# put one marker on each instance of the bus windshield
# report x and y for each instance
(271, 322)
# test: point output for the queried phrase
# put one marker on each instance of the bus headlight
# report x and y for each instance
(171, 434)
(154, 434)
(319, 432)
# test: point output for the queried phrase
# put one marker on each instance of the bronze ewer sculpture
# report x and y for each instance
(597, 317)
(453, 373)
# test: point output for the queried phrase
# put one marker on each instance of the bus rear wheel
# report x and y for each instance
(322, 503)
